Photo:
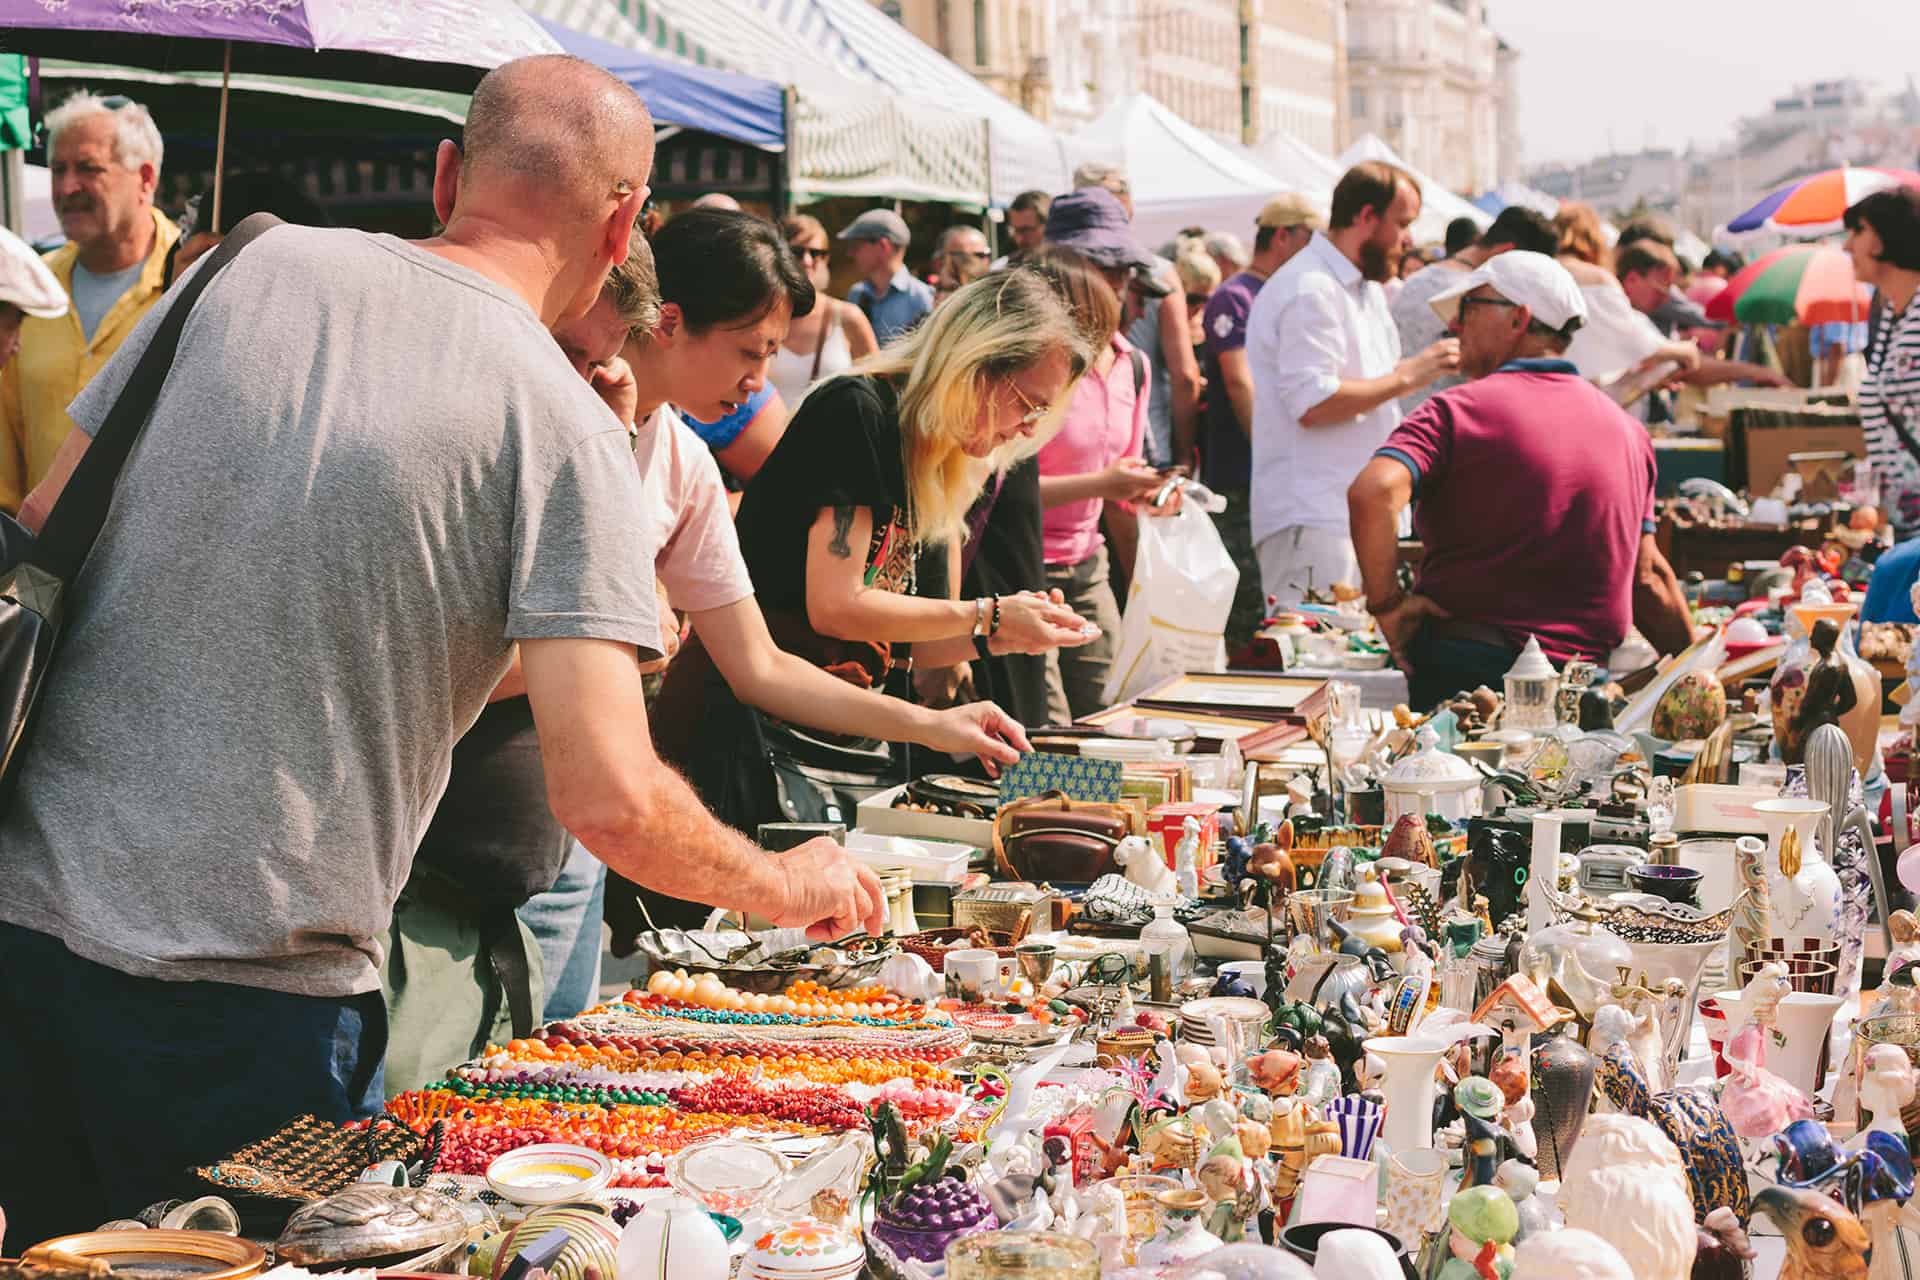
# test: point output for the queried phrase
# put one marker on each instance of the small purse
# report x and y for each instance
(1052, 838)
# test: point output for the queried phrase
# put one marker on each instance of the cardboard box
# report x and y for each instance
(1167, 822)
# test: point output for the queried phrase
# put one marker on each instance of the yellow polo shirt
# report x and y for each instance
(56, 360)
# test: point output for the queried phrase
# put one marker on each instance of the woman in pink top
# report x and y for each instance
(1092, 460)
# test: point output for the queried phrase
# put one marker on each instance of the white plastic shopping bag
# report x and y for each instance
(1174, 618)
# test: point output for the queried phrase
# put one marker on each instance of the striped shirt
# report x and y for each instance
(1889, 404)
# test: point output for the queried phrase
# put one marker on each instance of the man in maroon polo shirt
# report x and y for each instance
(1535, 499)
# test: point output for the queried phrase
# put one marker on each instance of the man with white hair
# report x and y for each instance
(104, 155)
(1574, 477)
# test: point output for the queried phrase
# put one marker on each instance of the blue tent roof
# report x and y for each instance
(730, 105)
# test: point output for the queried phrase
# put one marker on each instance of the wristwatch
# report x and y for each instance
(1393, 601)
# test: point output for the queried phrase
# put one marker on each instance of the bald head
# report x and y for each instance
(575, 132)
(716, 200)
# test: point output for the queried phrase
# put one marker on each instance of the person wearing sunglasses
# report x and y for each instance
(1566, 554)
(825, 342)
(877, 463)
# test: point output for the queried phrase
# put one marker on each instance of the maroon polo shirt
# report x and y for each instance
(1532, 492)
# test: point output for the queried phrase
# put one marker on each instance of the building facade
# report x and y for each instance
(1238, 69)
(1426, 75)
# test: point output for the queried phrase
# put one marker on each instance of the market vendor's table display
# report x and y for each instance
(1526, 984)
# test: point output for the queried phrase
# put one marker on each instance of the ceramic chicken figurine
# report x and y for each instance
(1824, 1241)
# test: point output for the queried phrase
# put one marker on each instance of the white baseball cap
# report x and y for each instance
(1534, 280)
(25, 280)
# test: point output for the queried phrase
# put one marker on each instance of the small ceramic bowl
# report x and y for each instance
(549, 1173)
(1674, 883)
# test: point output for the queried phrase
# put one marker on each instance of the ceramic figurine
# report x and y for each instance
(1186, 859)
(1170, 1145)
(1144, 865)
(1690, 1119)
(1271, 861)
(1750, 924)
(1322, 1081)
(1521, 1183)
(1824, 1241)
(1483, 1223)
(1234, 1185)
(1625, 1183)
(1277, 1071)
(1480, 1103)
(1757, 1102)
(1203, 1083)
(1829, 695)
(1182, 1237)
(1905, 927)
(1300, 1137)
(1724, 1248)
(1886, 1086)
(1411, 840)
(1509, 1075)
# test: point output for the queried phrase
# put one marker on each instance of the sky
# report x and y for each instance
(1635, 73)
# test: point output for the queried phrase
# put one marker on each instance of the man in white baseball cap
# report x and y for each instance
(1536, 499)
(27, 288)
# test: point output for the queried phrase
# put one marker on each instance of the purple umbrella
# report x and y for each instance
(426, 44)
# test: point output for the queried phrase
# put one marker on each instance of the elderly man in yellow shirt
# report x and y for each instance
(104, 154)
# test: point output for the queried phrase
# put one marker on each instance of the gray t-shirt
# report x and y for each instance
(94, 296)
(370, 472)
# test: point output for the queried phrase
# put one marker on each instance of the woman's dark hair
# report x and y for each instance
(1894, 215)
(725, 268)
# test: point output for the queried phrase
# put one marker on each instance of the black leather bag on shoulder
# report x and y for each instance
(36, 585)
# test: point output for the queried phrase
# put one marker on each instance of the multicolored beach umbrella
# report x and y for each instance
(1812, 206)
(1802, 283)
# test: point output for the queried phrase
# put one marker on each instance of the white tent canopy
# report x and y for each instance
(1180, 176)
(1298, 166)
(1438, 206)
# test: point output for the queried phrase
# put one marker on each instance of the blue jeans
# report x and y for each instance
(566, 922)
(118, 1085)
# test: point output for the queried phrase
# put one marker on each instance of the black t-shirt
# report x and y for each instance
(1007, 558)
(842, 449)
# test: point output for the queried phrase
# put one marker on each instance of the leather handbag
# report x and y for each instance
(35, 587)
(1052, 838)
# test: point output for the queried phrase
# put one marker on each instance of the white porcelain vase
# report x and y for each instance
(1801, 1021)
(1802, 907)
(672, 1238)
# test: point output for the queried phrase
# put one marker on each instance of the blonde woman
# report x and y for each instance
(876, 463)
(826, 342)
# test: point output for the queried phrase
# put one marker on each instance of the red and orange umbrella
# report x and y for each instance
(1802, 283)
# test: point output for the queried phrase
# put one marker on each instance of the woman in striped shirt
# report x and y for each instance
(1883, 236)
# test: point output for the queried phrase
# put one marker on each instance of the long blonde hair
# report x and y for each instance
(986, 332)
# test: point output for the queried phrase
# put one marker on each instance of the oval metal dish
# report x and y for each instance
(762, 971)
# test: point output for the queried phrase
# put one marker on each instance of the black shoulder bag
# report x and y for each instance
(35, 587)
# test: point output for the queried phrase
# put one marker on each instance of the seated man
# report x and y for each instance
(1536, 499)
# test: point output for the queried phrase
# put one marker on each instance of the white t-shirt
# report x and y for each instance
(698, 560)
(1316, 323)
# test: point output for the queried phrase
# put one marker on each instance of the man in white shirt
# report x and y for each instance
(1327, 373)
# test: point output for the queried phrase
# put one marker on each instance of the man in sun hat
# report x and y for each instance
(888, 294)
(27, 288)
(1566, 553)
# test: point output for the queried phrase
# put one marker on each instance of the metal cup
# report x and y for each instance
(1036, 961)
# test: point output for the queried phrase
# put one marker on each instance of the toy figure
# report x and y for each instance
(1905, 928)
(1203, 1083)
(1170, 1146)
(1299, 1137)
(1143, 865)
(1483, 1224)
(1886, 1087)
